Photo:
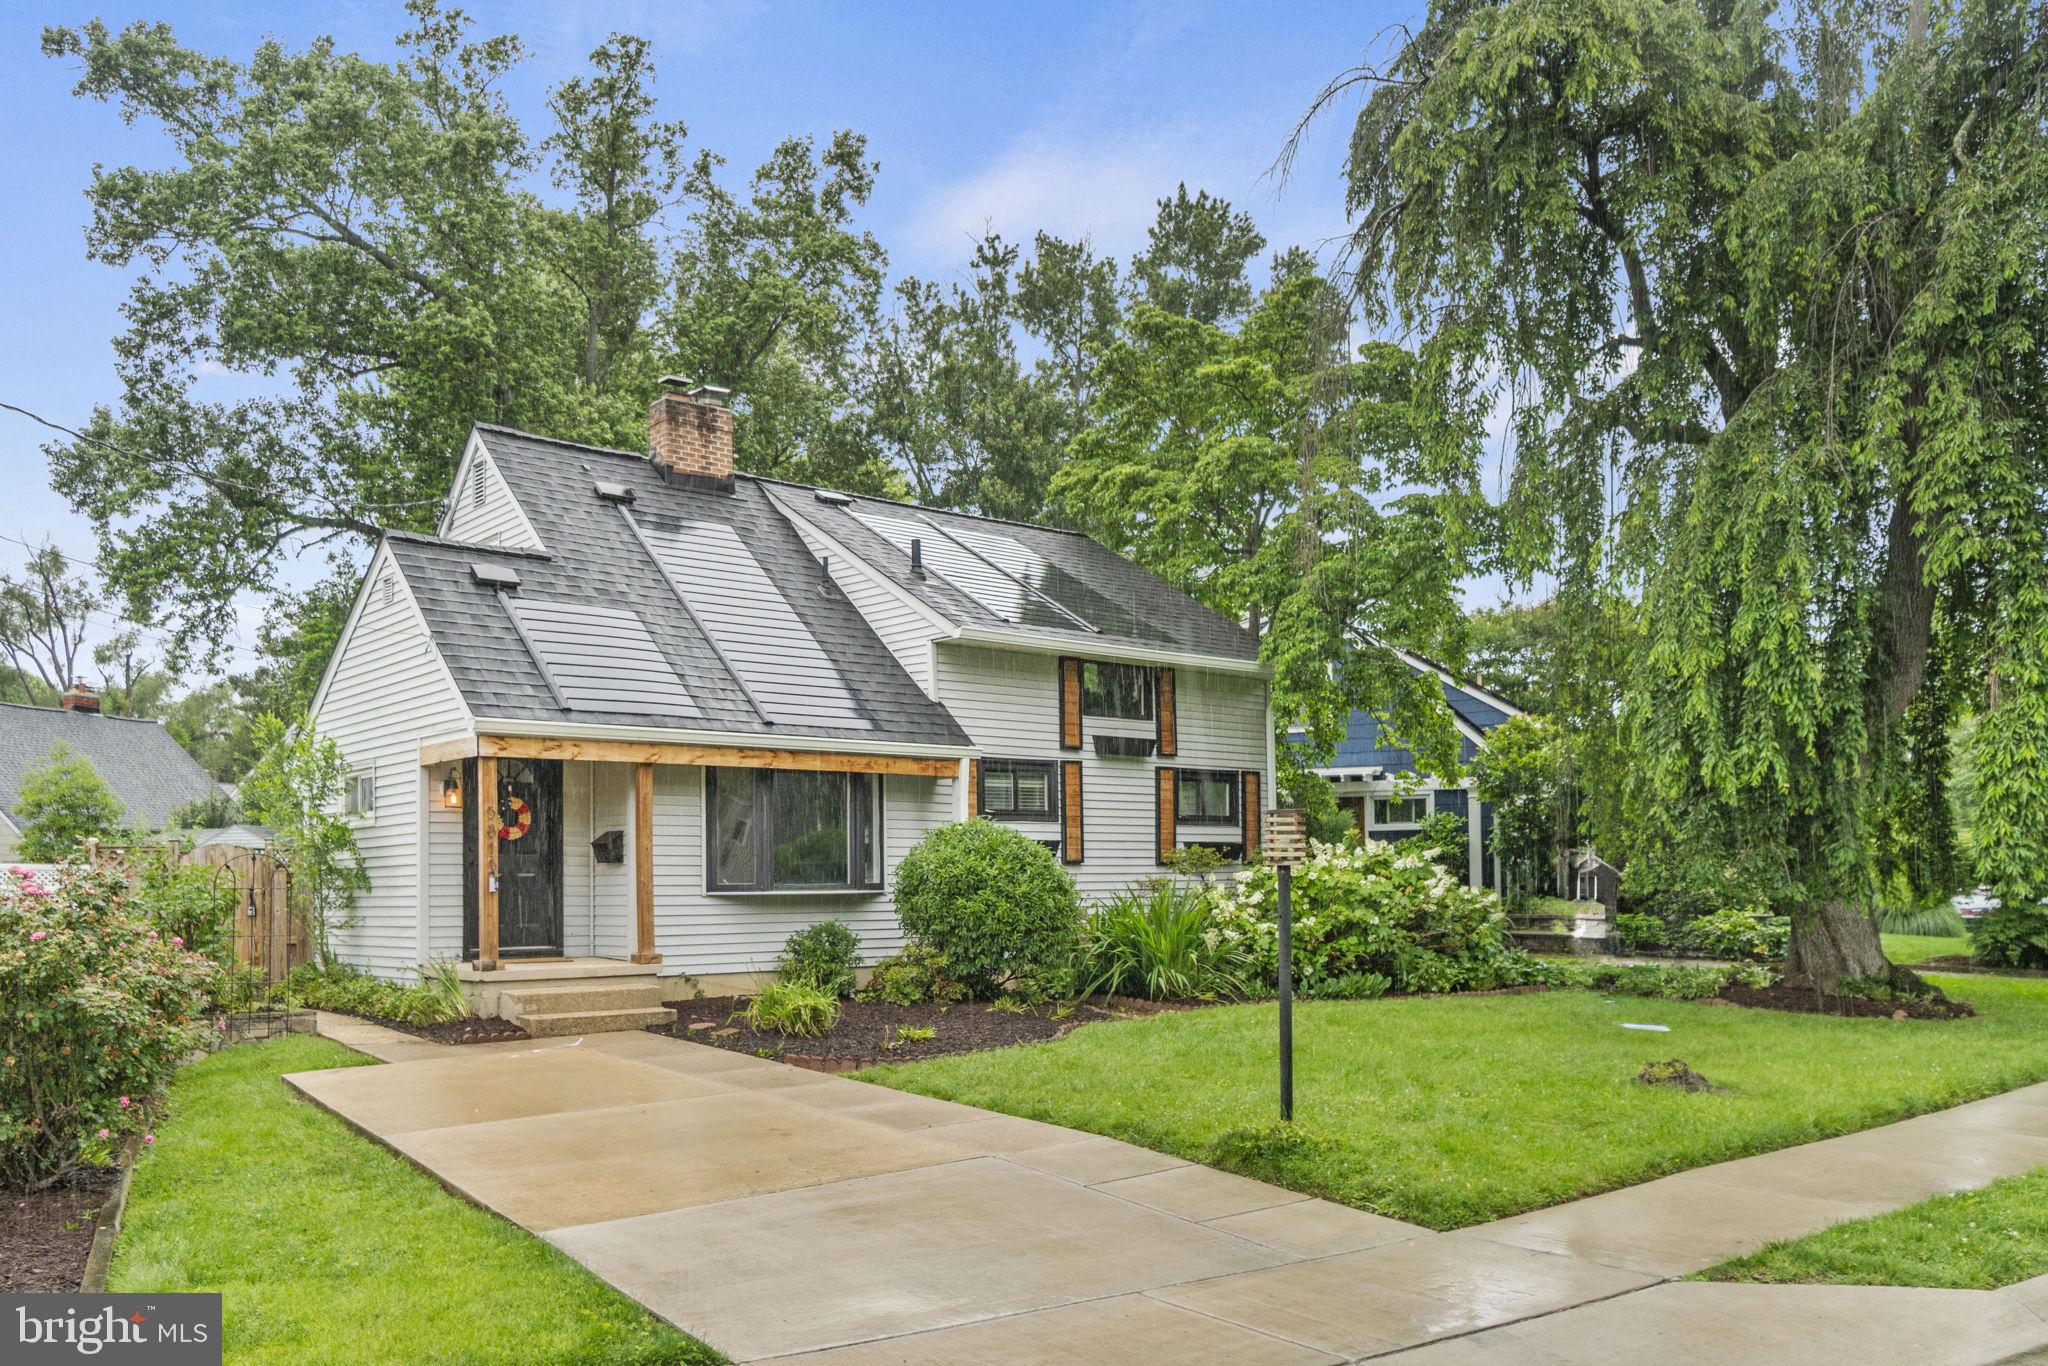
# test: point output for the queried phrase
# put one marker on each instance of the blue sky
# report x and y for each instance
(1072, 117)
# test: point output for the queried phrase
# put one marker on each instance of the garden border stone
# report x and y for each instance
(106, 1225)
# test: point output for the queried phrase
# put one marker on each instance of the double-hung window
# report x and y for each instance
(1019, 790)
(1399, 810)
(1121, 691)
(1205, 796)
(771, 830)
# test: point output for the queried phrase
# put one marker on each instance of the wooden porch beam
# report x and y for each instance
(713, 756)
(643, 864)
(486, 799)
(446, 751)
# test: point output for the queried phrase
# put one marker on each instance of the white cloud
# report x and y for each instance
(1105, 189)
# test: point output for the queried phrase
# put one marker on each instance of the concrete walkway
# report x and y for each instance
(775, 1212)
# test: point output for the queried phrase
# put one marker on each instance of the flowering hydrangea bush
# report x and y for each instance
(1376, 909)
(97, 1008)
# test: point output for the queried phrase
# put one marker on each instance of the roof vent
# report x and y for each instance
(494, 575)
(832, 496)
(613, 493)
(917, 556)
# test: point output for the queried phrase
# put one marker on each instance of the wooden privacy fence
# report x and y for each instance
(267, 936)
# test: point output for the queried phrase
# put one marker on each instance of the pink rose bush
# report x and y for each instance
(96, 1013)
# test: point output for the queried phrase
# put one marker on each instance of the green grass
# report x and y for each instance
(1978, 1240)
(1908, 949)
(327, 1248)
(1456, 1110)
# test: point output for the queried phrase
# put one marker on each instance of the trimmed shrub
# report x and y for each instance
(997, 905)
(97, 1009)
(791, 1008)
(918, 974)
(1157, 940)
(823, 956)
(1637, 931)
(1380, 909)
(1738, 934)
(2013, 936)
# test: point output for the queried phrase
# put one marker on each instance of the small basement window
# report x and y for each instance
(1205, 796)
(1121, 691)
(1018, 790)
(1399, 810)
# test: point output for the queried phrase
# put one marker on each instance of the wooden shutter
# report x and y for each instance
(1167, 837)
(974, 787)
(1164, 710)
(1070, 704)
(1070, 810)
(1251, 813)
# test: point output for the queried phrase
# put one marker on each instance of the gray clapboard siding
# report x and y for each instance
(1008, 700)
(482, 509)
(387, 692)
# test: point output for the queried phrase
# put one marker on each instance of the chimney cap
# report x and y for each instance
(689, 388)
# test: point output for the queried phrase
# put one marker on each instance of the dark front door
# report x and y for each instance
(528, 821)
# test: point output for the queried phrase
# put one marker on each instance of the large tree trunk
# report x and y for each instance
(1832, 942)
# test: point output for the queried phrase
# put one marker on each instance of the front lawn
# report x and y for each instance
(1977, 1240)
(326, 1247)
(1908, 949)
(1450, 1111)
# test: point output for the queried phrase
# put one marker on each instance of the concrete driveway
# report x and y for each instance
(774, 1212)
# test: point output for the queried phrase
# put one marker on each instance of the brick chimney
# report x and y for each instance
(79, 697)
(689, 429)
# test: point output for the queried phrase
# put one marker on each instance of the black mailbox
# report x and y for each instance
(610, 847)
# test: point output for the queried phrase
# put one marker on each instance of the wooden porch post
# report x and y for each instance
(643, 864)
(486, 799)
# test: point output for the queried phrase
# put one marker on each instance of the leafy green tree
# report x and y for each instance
(1263, 470)
(774, 296)
(1522, 774)
(1777, 294)
(951, 400)
(63, 803)
(211, 812)
(1197, 259)
(296, 789)
(44, 616)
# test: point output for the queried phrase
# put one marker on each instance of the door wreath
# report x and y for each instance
(520, 821)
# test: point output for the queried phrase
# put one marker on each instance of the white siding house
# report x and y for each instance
(801, 699)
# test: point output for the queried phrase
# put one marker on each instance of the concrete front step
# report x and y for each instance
(628, 994)
(554, 1024)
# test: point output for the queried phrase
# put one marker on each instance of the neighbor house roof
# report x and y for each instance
(148, 771)
(1367, 744)
(684, 608)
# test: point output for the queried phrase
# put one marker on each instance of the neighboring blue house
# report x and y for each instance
(1378, 785)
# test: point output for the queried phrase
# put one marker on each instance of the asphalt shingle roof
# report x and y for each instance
(1144, 612)
(596, 559)
(140, 761)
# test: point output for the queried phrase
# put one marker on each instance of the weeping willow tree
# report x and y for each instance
(1761, 294)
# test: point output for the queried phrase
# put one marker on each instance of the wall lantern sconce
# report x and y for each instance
(451, 793)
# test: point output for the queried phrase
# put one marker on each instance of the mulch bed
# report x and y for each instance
(867, 1030)
(44, 1237)
(1805, 1000)
(472, 1030)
